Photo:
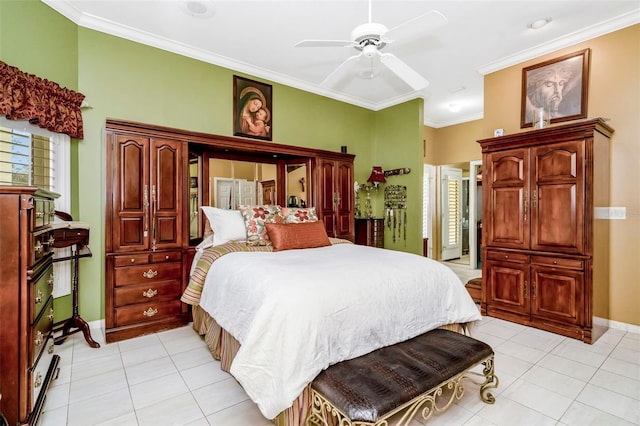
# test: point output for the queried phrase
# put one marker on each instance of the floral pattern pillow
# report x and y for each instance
(255, 217)
(299, 214)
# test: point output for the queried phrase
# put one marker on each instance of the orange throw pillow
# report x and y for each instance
(288, 236)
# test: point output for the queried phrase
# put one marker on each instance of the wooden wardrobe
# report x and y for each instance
(148, 246)
(545, 255)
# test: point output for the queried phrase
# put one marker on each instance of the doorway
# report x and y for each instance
(460, 204)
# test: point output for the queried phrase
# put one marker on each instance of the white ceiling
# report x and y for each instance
(258, 37)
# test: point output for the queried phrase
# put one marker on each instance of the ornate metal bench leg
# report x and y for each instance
(490, 381)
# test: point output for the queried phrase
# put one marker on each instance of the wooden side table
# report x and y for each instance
(370, 232)
(71, 235)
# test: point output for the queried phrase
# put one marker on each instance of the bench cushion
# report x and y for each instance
(368, 387)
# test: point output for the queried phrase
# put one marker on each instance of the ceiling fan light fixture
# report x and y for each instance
(369, 51)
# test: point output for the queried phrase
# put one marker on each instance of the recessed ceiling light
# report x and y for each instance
(198, 8)
(455, 107)
(536, 25)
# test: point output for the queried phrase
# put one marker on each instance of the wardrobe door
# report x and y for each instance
(166, 193)
(557, 197)
(506, 203)
(130, 193)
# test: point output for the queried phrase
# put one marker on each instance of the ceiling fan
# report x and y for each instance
(371, 37)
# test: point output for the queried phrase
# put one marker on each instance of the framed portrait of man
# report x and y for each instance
(252, 109)
(558, 87)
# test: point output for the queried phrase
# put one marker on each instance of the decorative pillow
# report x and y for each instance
(255, 218)
(299, 214)
(288, 236)
(227, 225)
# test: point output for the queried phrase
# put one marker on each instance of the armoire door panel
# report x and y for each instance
(557, 198)
(509, 227)
(558, 161)
(131, 193)
(166, 193)
(508, 195)
(344, 189)
(507, 286)
(557, 294)
(555, 224)
(509, 168)
(131, 232)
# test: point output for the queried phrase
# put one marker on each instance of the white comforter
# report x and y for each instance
(296, 312)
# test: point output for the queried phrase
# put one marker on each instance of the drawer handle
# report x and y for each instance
(38, 247)
(166, 257)
(51, 240)
(38, 380)
(38, 298)
(555, 262)
(150, 293)
(39, 214)
(133, 260)
(506, 256)
(50, 316)
(39, 338)
(150, 312)
(50, 349)
(150, 274)
(533, 289)
(50, 280)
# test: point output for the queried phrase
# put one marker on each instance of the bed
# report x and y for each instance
(276, 317)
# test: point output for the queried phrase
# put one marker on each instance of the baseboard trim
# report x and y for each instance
(617, 325)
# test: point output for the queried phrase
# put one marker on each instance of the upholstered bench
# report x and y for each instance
(410, 377)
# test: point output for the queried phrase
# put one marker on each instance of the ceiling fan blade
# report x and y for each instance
(340, 71)
(404, 71)
(324, 43)
(417, 27)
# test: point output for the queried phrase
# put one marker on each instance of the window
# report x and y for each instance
(32, 156)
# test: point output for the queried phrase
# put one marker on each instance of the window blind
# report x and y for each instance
(26, 159)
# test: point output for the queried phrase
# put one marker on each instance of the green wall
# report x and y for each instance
(131, 81)
(36, 51)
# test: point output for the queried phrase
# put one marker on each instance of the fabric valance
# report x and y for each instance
(44, 103)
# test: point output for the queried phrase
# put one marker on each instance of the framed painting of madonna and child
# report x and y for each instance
(252, 109)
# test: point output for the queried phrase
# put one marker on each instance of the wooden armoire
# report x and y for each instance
(146, 195)
(148, 248)
(545, 255)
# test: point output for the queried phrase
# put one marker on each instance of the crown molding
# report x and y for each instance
(587, 33)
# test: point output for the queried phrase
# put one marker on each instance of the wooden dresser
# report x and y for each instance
(545, 256)
(370, 232)
(27, 360)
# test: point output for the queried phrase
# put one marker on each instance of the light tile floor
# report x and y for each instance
(170, 378)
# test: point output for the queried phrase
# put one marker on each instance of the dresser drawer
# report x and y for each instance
(507, 256)
(557, 262)
(41, 331)
(144, 258)
(40, 245)
(144, 312)
(39, 293)
(43, 212)
(150, 273)
(39, 375)
(147, 293)
(132, 259)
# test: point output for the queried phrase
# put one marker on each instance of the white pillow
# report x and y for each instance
(227, 225)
